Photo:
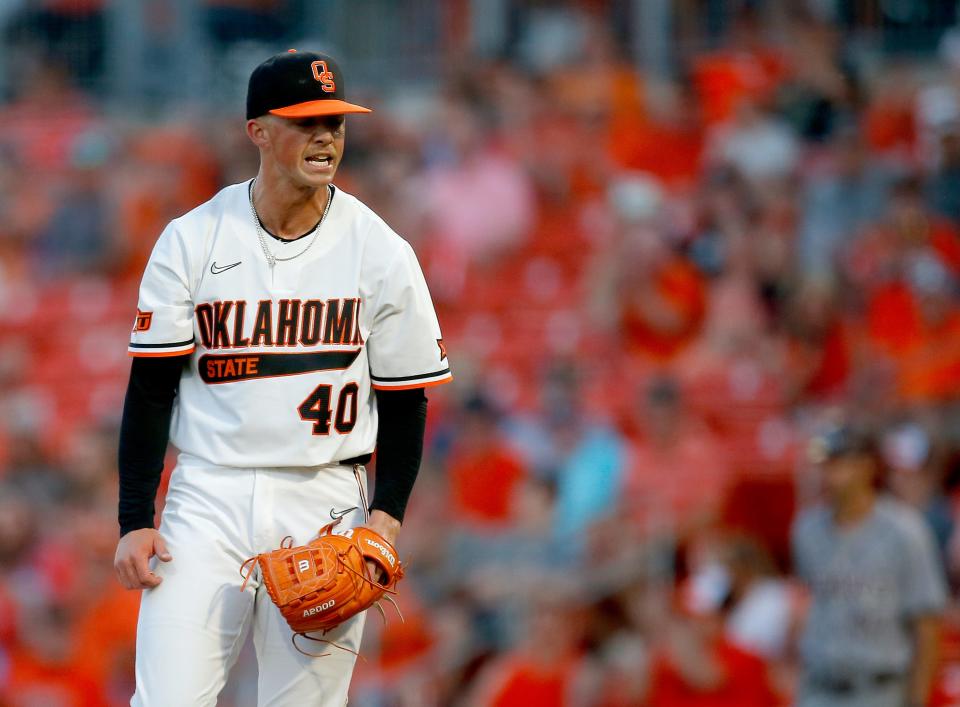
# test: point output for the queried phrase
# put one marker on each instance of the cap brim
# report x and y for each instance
(322, 107)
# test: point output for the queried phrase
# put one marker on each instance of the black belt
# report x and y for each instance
(363, 459)
(838, 685)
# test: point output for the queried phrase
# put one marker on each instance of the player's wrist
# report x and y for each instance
(384, 524)
(126, 529)
(381, 515)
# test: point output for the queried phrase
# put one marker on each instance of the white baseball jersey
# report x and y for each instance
(285, 359)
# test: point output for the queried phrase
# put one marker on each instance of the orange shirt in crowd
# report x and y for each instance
(926, 357)
(744, 684)
(407, 641)
(110, 626)
(819, 365)
(723, 78)
(30, 681)
(678, 288)
(893, 322)
(890, 124)
(946, 684)
(831, 369)
(482, 485)
(670, 152)
(524, 682)
(931, 372)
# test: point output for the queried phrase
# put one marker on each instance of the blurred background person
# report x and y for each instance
(876, 584)
(698, 664)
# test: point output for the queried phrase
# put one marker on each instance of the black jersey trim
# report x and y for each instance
(229, 368)
(161, 346)
(398, 379)
(289, 240)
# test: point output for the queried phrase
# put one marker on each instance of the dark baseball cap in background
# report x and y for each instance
(298, 85)
(840, 440)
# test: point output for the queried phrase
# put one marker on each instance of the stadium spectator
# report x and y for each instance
(655, 290)
(760, 605)
(842, 197)
(546, 666)
(915, 475)
(943, 186)
(466, 176)
(85, 246)
(591, 464)
(696, 665)
(676, 469)
(756, 143)
(484, 473)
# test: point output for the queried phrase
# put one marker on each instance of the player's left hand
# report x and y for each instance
(387, 526)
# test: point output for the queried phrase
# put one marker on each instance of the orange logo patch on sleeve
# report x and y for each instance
(143, 320)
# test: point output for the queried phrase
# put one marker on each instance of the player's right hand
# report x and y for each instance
(132, 561)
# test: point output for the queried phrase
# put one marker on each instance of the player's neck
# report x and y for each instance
(288, 211)
(854, 508)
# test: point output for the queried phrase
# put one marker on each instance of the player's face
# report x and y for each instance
(306, 150)
(847, 475)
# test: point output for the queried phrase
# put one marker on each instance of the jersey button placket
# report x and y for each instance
(283, 278)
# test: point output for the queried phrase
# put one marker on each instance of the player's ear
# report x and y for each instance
(257, 132)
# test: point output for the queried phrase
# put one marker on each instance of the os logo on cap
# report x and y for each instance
(322, 74)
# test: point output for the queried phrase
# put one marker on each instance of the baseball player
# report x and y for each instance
(877, 589)
(283, 332)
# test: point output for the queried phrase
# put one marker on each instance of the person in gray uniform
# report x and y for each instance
(877, 587)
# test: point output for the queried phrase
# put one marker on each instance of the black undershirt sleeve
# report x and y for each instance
(403, 418)
(144, 433)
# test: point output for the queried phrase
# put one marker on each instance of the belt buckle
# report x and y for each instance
(834, 684)
(850, 684)
(885, 678)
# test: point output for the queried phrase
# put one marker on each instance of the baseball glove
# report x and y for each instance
(320, 585)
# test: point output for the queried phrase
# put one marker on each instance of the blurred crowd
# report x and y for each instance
(653, 291)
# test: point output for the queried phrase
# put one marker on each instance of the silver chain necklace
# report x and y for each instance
(271, 258)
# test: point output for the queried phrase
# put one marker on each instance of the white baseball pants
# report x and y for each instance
(192, 626)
